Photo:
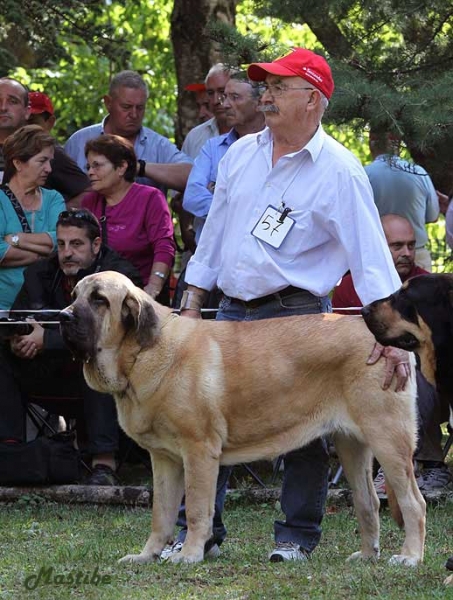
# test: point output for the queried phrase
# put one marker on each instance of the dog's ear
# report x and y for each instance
(138, 315)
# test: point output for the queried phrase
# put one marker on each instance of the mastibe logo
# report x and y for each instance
(48, 576)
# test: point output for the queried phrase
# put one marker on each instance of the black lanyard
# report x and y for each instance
(103, 222)
(17, 207)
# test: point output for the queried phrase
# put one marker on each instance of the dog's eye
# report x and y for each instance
(99, 300)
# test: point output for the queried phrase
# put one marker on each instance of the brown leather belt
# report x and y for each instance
(256, 302)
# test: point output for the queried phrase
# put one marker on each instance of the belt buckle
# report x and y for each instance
(257, 302)
(252, 303)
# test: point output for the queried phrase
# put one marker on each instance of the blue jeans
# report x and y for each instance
(305, 479)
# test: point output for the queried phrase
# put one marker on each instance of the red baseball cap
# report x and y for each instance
(39, 103)
(195, 87)
(300, 62)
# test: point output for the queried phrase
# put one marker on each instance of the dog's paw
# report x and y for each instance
(402, 559)
(139, 559)
(361, 556)
(448, 580)
(180, 557)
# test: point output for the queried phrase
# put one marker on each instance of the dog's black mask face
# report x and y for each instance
(78, 327)
(410, 317)
(107, 310)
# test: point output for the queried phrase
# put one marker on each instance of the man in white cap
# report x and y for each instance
(286, 222)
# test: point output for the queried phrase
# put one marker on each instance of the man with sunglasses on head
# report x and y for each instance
(39, 363)
(292, 211)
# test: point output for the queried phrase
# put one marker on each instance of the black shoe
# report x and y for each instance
(102, 475)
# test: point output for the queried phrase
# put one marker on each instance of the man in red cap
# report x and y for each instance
(292, 211)
(15, 111)
(41, 110)
(201, 100)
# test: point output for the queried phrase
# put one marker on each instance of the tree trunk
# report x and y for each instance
(194, 51)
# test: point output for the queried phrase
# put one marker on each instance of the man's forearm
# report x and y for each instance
(171, 175)
(193, 298)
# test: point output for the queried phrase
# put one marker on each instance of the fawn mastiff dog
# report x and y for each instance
(199, 393)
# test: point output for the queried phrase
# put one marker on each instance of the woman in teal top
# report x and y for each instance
(28, 153)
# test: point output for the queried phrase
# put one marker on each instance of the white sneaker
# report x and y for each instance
(170, 549)
(213, 552)
(287, 551)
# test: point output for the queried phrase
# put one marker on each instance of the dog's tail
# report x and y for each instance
(394, 507)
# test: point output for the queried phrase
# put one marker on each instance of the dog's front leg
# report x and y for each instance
(201, 469)
(168, 488)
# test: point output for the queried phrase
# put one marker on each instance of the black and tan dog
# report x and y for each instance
(419, 317)
(197, 394)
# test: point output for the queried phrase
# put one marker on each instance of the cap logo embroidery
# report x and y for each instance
(312, 74)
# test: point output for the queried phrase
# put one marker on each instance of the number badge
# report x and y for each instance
(273, 227)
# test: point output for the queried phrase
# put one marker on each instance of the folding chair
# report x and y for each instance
(69, 407)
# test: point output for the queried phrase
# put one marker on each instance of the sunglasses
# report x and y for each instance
(68, 215)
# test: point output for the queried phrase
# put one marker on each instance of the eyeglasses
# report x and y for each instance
(95, 165)
(83, 215)
(230, 97)
(277, 89)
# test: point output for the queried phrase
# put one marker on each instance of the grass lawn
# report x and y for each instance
(89, 540)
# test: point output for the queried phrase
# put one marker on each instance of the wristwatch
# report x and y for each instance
(15, 239)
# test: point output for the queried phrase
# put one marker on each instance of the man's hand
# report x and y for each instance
(151, 291)
(28, 346)
(396, 363)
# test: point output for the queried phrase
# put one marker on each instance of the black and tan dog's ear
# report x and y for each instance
(138, 315)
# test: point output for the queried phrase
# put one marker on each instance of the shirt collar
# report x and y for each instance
(212, 125)
(314, 146)
(228, 138)
(141, 134)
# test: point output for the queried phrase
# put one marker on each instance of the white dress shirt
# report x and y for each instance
(198, 136)
(336, 228)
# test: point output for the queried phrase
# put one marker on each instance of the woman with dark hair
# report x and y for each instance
(135, 218)
(28, 212)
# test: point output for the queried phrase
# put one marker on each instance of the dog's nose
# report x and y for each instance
(66, 316)
(366, 310)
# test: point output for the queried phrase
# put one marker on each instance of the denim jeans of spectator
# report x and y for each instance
(305, 479)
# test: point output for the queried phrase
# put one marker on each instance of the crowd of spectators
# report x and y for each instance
(258, 156)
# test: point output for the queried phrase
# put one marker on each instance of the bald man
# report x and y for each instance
(433, 472)
(400, 237)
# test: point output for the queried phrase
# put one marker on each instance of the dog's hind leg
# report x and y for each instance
(357, 460)
(168, 489)
(201, 469)
(395, 457)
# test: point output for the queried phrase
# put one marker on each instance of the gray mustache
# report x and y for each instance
(268, 108)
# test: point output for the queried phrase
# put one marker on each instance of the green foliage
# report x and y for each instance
(37, 23)
(273, 36)
(134, 34)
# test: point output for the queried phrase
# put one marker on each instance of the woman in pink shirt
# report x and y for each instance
(135, 218)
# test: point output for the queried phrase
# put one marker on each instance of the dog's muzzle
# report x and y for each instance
(66, 316)
(76, 335)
